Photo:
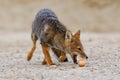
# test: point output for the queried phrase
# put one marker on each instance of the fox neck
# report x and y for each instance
(59, 42)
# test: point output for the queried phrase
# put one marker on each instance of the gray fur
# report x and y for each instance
(47, 17)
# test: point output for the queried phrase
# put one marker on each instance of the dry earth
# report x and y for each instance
(103, 49)
(103, 63)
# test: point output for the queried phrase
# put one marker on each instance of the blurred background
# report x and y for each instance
(88, 15)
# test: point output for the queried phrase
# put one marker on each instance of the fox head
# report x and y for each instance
(74, 45)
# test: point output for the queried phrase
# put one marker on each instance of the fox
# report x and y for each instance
(53, 35)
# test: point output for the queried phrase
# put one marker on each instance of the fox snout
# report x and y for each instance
(84, 55)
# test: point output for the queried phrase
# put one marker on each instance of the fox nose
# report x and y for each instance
(86, 57)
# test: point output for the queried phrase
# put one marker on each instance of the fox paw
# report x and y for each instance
(63, 59)
(29, 57)
(44, 62)
(52, 65)
(66, 60)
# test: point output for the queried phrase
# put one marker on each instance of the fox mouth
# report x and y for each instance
(75, 59)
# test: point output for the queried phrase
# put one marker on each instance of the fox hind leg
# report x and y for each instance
(30, 53)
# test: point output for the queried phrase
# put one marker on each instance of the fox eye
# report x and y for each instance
(79, 49)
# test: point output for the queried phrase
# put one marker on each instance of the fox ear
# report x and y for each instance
(77, 34)
(68, 35)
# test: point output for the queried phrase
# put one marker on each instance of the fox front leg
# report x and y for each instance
(74, 58)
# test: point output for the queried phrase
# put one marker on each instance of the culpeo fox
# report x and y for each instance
(52, 34)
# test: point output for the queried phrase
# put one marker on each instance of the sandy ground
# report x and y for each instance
(103, 49)
(103, 63)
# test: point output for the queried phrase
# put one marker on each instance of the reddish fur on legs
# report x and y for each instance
(30, 54)
(47, 58)
(63, 57)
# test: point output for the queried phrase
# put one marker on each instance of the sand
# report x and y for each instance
(98, 21)
(103, 51)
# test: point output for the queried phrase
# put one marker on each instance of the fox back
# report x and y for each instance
(46, 25)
